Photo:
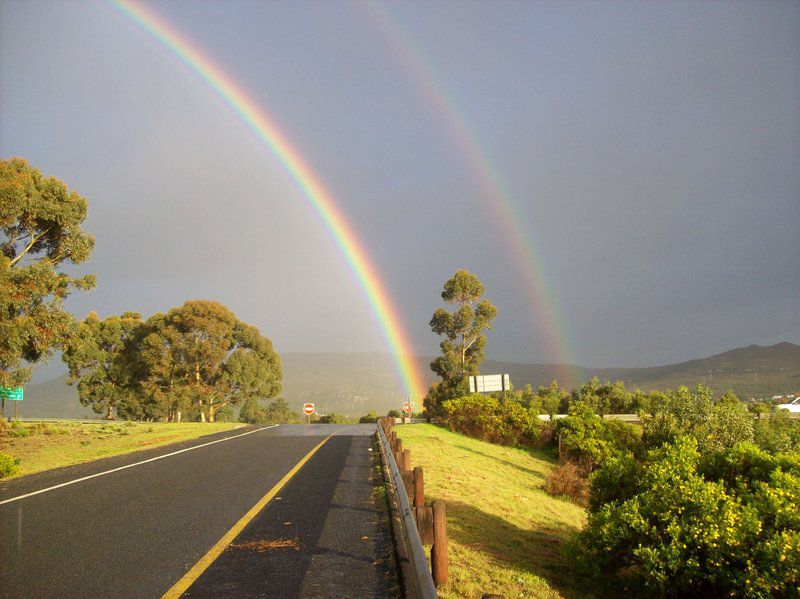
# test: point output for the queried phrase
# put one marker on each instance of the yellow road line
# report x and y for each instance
(180, 587)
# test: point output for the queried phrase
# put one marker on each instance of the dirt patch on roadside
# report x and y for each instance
(156, 440)
(265, 545)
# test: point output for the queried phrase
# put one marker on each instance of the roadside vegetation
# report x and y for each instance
(701, 498)
(506, 536)
(37, 446)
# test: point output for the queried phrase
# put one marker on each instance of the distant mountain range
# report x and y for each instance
(357, 383)
(752, 371)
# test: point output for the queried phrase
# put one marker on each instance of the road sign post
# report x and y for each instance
(408, 409)
(14, 394)
(489, 383)
(308, 410)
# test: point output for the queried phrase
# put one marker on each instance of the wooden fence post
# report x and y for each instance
(419, 487)
(439, 566)
(424, 518)
(407, 473)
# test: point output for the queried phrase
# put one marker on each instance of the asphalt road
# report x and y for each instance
(137, 531)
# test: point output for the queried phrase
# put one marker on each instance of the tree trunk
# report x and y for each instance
(110, 412)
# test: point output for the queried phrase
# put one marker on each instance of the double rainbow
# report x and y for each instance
(267, 131)
(499, 202)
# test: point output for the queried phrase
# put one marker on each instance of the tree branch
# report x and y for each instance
(34, 239)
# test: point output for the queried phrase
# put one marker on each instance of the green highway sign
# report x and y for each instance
(11, 393)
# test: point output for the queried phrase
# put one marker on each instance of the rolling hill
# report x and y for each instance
(355, 383)
(753, 371)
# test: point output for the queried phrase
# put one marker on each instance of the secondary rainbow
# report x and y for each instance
(493, 191)
(312, 188)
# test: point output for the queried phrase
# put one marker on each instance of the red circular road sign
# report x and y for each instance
(408, 407)
(309, 409)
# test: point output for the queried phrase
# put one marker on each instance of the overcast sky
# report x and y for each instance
(651, 151)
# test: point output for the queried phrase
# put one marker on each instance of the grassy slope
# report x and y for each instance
(506, 536)
(52, 445)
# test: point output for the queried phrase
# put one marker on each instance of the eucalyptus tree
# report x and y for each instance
(40, 234)
(463, 331)
(101, 357)
(201, 356)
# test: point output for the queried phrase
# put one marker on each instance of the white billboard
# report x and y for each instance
(489, 383)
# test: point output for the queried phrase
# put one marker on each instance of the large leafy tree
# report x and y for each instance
(199, 354)
(159, 374)
(101, 357)
(463, 331)
(40, 234)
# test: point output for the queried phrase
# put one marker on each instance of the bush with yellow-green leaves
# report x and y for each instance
(8, 465)
(682, 523)
(492, 419)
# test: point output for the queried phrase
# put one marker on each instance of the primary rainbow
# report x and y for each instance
(493, 191)
(315, 193)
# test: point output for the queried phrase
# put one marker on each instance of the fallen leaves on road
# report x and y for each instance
(264, 545)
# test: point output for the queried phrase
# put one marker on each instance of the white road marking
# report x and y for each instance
(160, 457)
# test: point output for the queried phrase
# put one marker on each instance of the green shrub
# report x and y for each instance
(616, 481)
(714, 425)
(369, 418)
(683, 523)
(588, 440)
(674, 534)
(334, 418)
(18, 430)
(8, 466)
(777, 432)
(491, 419)
(758, 408)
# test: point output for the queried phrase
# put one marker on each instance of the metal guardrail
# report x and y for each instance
(421, 578)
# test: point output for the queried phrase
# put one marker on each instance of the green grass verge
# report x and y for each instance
(505, 535)
(56, 444)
